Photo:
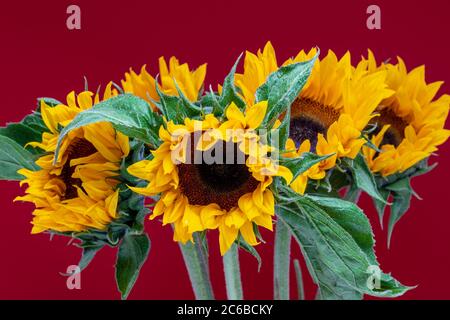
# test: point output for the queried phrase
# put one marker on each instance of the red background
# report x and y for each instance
(41, 57)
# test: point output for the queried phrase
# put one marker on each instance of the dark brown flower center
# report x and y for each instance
(79, 148)
(308, 119)
(222, 182)
(396, 132)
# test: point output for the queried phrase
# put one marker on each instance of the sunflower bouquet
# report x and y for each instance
(287, 148)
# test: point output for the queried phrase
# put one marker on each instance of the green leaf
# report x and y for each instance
(331, 287)
(380, 206)
(282, 87)
(22, 134)
(35, 122)
(351, 219)
(190, 109)
(88, 255)
(12, 158)
(230, 92)
(170, 106)
(249, 249)
(363, 177)
(302, 163)
(127, 113)
(401, 194)
(399, 186)
(133, 252)
(337, 241)
(371, 145)
(30, 129)
(211, 101)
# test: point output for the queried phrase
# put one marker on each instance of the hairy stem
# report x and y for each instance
(196, 261)
(281, 262)
(233, 274)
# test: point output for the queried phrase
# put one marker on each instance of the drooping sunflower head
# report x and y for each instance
(175, 74)
(213, 175)
(332, 110)
(410, 125)
(77, 191)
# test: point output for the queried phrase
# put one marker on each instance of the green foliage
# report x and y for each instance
(128, 114)
(362, 177)
(229, 92)
(302, 163)
(249, 249)
(14, 157)
(177, 108)
(337, 241)
(30, 128)
(210, 103)
(282, 87)
(126, 232)
(88, 255)
(189, 108)
(397, 188)
(133, 252)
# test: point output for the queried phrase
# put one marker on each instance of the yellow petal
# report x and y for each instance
(255, 114)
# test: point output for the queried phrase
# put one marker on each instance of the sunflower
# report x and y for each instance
(410, 125)
(229, 192)
(331, 111)
(144, 85)
(77, 191)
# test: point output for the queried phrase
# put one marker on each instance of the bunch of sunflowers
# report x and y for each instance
(286, 147)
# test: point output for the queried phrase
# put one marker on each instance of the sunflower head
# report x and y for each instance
(213, 174)
(331, 111)
(78, 190)
(410, 125)
(175, 74)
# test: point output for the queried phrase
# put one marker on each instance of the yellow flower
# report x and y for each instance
(144, 85)
(332, 110)
(410, 125)
(78, 191)
(256, 70)
(218, 184)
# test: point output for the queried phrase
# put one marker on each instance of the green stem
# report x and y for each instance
(233, 274)
(299, 276)
(196, 261)
(281, 263)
